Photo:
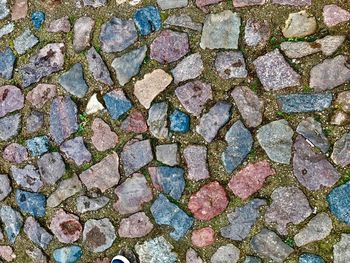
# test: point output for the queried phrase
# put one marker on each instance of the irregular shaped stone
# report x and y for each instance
(194, 95)
(51, 167)
(256, 32)
(293, 2)
(38, 18)
(300, 24)
(269, 245)
(212, 121)
(340, 118)
(36, 233)
(136, 187)
(66, 227)
(167, 213)
(12, 222)
(73, 81)
(204, 4)
(340, 154)
(166, 4)
(19, 10)
(182, 21)
(251, 259)
(167, 154)
(304, 102)
(289, 205)
(4, 11)
(11, 99)
(82, 33)
(239, 144)
(226, 254)
(25, 41)
(15, 153)
(157, 120)
(7, 29)
(93, 3)
(59, 25)
(192, 256)
(9, 126)
(136, 225)
(334, 15)
(310, 258)
(34, 121)
(98, 235)
(28, 177)
(338, 200)
(117, 103)
(274, 72)
(117, 35)
(244, 3)
(135, 122)
(230, 64)
(103, 137)
(7, 61)
(341, 249)
(203, 237)
(97, 67)
(6, 253)
(276, 139)
(102, 175)
(5, 186)
(94, 105)
(70, 254)
(87, 204)
(179, 122)
(190, 67)
(147, 20)
(169, 46)
(75, 150)
(196, 160)
(31, 203)
(37, 255)
(343, 100)
(250, 179)
(41, 94)
(37, 146)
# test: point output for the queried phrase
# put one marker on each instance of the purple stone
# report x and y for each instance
(75, 149)
(11, 99)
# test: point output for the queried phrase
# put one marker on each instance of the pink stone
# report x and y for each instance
(211, 200)
(11, 99)
(250, 179)
(6, 253)
(243, 3)
(293, 2)
(203, 237)
(59, 25)
(334, 15)
(19, 9)
(196, 161)
(41, 94)
(15, 153)
(103, 260)
(66, 227)
(203, 4)
(136, 225)
(103, 138)
(192, 256)
(135, 122)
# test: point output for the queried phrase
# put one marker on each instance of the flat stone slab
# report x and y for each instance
(304, 102)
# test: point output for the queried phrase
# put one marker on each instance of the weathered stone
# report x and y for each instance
(244, 3)
(59, 25)
(230, 64)
(73, 81)
(256, 32)
(31, 203)
(179, 122)
(19, 10)
(11, 99)
(87, 204)
(4, 11)
(189, 68)
(15, 153)
(103, 137)
(70, 254)
(34, 121)
(341, 154)
(204, 4)
(82, 33)
(182, 21)
(338, 200)
(304, 102)
(6, 29)
(170, 4)
(51, 167)
(135, 122)
(9, 126)
(340, 118)
(203, 237)
(343, 100)
(117, 103)
(12, 222)
(93, 3)
(28, 177)
(300, 24)
(66, 227)
(341, 249)
(97, 67)
(310, 258)
(192, 256)
(41, 94)
(36, 233)
(226, 254)
(25, 41)
(157, 120)
(196, 160)
(147, 20)
(7, 253)
(37, 255)
(37, 146)
(7, 61)
(167, 154)
(251, 259)
(94, 105)
(136, 225)
(334, 15)
(5, 186)
(75, 150)
(38, 18)
(293, 2)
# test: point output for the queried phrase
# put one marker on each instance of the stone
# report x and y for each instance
(166, 4)
(147, 20)
(11, 99)
(289, 205)
(340, 118)
(226, 254)
(293, 2)
(341, 249)
(182, 21)
(210, 201)
(179, 122)
(75, 150)
(230, 64)
(250, 106)
(318, 228)
(117, 35)
(334, 15)
(135, 226)
(157, 250)
(25, 41)
(70, 254)
(37, 255)
(41, 94)
(157, 120)
(304, 102)
(103, 137)
(203, 237)
(212, 121)
(36, 233)
(167, 154)
(196, 160)
(12, 222)
(300, 24)
(19, 10)
(38, 18)
(73, 81)
(87, 204)
(34, 121)
(82, 33)
(251, 259)
(192, 256)
(239, 144)
(269, 245)
(338, 200)
(63, 118)
(193, 96)
(340, 154)
(48, 60)
(6, 29)
(167, 213)
(65, 189)
(135, 155)
(221, 30)
(4, 11)
(330, 73)
(135, 122)
(7, 61)
(276, 139)
(256, 32)
(136, 186)
(98, 235)
(169, 46)
(94, 105)
(15, 153)
(9, 126)
(93, 3)
(244, 3)
(274, 72)
(102, 175)
(190, 67)
(250, 179)
(204, 4)
(7, 253)
(312, 169)
(37, 146)
(169, 180)
(97, 67)
(343, 100)
(117, 103)
(312, 131)
(310, 258)
(59, 25)
(27, 177)
(30, 203)
(66, 227)
(51, 167)
(5, 186)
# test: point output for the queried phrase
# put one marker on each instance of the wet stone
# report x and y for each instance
(179, 122)
(37, 255)
(37, 146)
(167, 213)
(182, 21)
(41, 94)
(76, 150)
(117, 103)
(51, 167)
(300, 24)
(304, 102)
(5, 186)
(82, 33)
(15, 153)
(97, 67)
(334, 15)
(73, 81)
(192, 256)
(25, 41)
(65, 226)
(93, 105)
(226, 254)
(196, 160)
(190, 67)
(341, 154)
(7, 253)
(38, 18)
(170, 4)
(27, 177)
(34, 121)
(230, 64)
(167, 154)
(9, 126)
(87, 204)
(256, 32)
(147, 20)
(135, 226)
(158, 119)
(7, 61)
(33, 204)
(341, 249)
(135, 122)
(338, 200)
(36, 233)
(310, 258)
(203, 237)
(103, 137)
(70, 254)
(11, 99)
(12, 222)
(59, 25)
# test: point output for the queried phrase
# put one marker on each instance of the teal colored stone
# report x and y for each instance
(12, 222)
(70, 254)
(147, 20)
(310, 258)
(304, 102)
(7, 61)
(38, 18)
(179, 122)
(38, 146)
(339, 202)
(31, 203)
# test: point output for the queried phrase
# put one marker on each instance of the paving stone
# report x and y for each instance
(25, 41)
(158, 119)
(15, 153)
(6, 253)
(98, 235)
(167, 213)
(192, 256)
(82, 33)
(94, 105)
(226, 254)
(343, 100)
(65, 226)
(300, 24)
(274, 72)
(244, 3)
(38, 18)
(37, 255)
(36, 233)
(70, 254)
(97, 67)
(256, 32)
(7, 29)
(212, 121)
(87, 204)
(12, 222)
(34, 121)
(269, 245)
(239, 144)
(182, 21)
(27, 177)
(73, 81)
(340, 118)
(4, 11)
(194, 95)
(338, 200)
(41, 94)
(19, 10)
(31, 203)
(334, 15)
(147, 20)
(102, 175)
(190, 67)
(304, 102)
(37, 146)
(129, 254)
(129, 64)
(135, 122)
(196, 160)
(117, 35)
(136, 186)
(341, 249)
(293, 2)
(117, 103)
(230, 64)
(11, 99)
(289, 205)
(203, 237)
(179, 122)
(9, 126)
(204, 4)
(251, 259)
(221, 30)
(75, 150)
(5, 186)
(94, 3)
(59, 25)
(310, 258)
(135, 226)
(51, 167)
(340, 154)
(7, 61)
(103, 137)
(170, 4)
(167, 154)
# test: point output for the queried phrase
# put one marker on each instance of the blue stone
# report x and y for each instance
(179, 122)
(31, 203)
(147, 20)
(38, 145)
(117, 103)
(70, 254)
(339, 202)
(304, 102)
(12, 222)
(7, 60)
(310, 258)
(73, 81)
(167, 213)
(38, 18)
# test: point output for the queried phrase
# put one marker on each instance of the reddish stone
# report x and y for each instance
(103, 138)
(135, 122)
(203, 237)
(250, 179)
(66, 227)
(41, 94)
(203, 4)
(19, 9)
(15, 153)
(103, 260)
(136, 225)
(334, 15)
(11, 99)
(211, 200)
(6, 253)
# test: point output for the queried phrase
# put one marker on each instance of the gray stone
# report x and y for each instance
(170, 4)
(135, 226)
(12, 99)
(5, 186)
(183, 21)
(36, 233)
(245, 3)
(196, 160)
(293, 2)
(157, 120)
(167, 154)
(9, 126)
(341, 249)
(94, 3)
(51, 167)
(25, 41)
(15, 153)
(7, 61)
(37, 255)
(87, 204)
(75, 150)
(300, 24)
(65, 189)
(82, 33)
(190, 67)
(7, 29)
(28, 177)
(12, 222)
(192, 256)
(34, 121)
(73, 81)
(334, 15)
(226, 254)
(59, 25)
(98, 67)
(251, 259)
(341, 152)
(230, 64)
(4, 10)
(304, 102)
(256, 32)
